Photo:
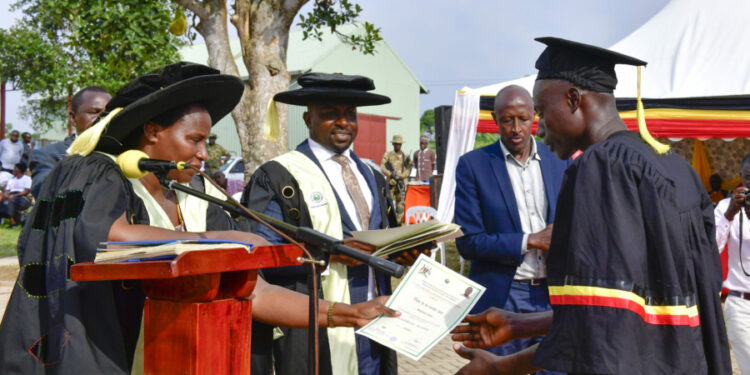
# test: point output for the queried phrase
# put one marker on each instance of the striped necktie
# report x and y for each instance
(352, 187)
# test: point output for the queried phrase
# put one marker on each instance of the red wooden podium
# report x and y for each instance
(198, 314)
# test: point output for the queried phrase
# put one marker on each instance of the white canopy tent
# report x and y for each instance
(694, 49)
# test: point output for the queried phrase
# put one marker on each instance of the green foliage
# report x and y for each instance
(61, 46)
(484, 139)
(332, 13)
(8, 239)
(427, 122)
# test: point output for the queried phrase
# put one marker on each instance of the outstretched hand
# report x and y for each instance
(485, 330)
(484, 362)
(364, 312)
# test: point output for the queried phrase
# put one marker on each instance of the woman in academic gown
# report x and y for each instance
(57, 326)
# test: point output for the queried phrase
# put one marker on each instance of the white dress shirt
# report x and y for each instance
(528, 188)
(332, 169)
(728, 233)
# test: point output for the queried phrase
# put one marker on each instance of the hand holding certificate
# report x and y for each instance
(432, 299)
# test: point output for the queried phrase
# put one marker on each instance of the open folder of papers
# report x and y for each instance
(393, 240)
(113, 252)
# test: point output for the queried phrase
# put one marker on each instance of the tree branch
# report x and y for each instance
(240, 20)
(194, 6)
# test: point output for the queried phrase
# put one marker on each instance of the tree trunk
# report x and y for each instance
(263, 28)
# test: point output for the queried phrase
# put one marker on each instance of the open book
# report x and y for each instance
(393, 240)
(114, 252)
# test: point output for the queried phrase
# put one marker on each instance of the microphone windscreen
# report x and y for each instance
(128, 162)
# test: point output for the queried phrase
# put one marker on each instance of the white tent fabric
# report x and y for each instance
(695, 48)
(463, 131)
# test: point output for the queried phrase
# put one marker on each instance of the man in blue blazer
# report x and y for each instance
(505, 203)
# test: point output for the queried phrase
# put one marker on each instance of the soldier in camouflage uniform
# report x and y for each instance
(215, 153)
(396, 167)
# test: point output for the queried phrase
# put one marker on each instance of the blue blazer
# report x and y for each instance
(487, 212)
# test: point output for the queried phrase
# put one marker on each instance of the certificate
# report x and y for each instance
(432, 300)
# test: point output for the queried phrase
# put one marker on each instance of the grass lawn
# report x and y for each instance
(8, 240)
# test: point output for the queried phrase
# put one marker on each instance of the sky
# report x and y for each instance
(450, 44)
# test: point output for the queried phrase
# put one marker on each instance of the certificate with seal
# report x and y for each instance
(432, 299)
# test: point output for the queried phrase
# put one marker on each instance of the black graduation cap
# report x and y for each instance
(167, 88)
(584, 65)
(333, 88)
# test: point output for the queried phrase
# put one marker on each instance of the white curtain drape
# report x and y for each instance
(462, 134)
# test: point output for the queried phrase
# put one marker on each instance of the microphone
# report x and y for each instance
(136, 164)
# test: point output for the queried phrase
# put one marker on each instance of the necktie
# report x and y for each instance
(352, 187)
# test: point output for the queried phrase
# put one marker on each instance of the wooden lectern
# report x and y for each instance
(198, 314)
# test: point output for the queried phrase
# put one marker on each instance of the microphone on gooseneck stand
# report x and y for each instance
(136, 164)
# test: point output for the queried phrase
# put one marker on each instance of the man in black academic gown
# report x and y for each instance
(633, 272)
(324, 185)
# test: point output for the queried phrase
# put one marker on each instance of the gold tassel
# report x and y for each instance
(271, 123)
(86, 142)
(640, 116)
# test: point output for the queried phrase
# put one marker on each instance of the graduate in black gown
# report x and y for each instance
(633, 274)
(53, 325)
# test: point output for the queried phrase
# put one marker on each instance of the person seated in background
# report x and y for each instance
(16, 195)
(54, 325)
(4, 177)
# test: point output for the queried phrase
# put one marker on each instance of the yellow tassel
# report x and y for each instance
(640, 116)
(271, 124)
(86, 142)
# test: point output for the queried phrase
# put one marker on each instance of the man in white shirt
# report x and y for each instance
(11, 150)
(732, 216)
